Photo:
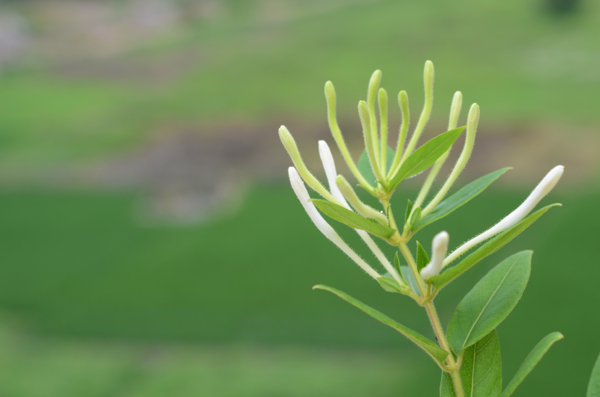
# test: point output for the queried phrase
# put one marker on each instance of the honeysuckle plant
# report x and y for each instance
(467, 351)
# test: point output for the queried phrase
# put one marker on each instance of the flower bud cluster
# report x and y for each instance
(345, 204)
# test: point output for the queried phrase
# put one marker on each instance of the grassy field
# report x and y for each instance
(79, 264)
(517, 62)
(51, 367)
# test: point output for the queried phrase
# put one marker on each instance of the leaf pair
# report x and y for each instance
(472, 330)
(481, 370)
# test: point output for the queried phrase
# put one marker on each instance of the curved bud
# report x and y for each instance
(428, 77)
(540, 191)
(360, 207)
(338, 137)
(383, 119)
(290, 145)
(363, 112)
(439, 247)
(322, 225)
(472, 123)
(403, 103)
(452, 122)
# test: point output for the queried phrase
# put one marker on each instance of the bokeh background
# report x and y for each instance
(151, 246)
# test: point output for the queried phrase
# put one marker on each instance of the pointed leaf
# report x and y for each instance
(438, 354)
(352, 219)
(594, 385)
(422, 258)
(460, 198)
(531, 361)
(414, 218)
(364, 165)
(490, 301)
(409, 206)
(425, 156)
(451, 272)
(398, 267)
(409, 277)
(481, 370)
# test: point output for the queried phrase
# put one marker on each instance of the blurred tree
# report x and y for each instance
(563, 7)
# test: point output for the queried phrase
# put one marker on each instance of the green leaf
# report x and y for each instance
(409, 206)
(399, 268)
(531, 361)
(460, 198)
(409, 277)
(414, 218)
(490, 301)
(451, 272)
(438, 354)
(397, 263)
(389, 284)
(422, 258)
(480, 372)
(594, 385)
(425, 156)
(364, 165)
(352, 219)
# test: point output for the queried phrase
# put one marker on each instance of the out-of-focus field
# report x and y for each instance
(257, 62)
(100, 301)
(81, 266)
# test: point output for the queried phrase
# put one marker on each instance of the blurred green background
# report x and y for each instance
(151, 245)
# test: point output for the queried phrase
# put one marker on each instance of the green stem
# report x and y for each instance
(413, 267)
(435, 322)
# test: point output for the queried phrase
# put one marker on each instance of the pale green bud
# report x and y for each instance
(290, 145)
(363, 112)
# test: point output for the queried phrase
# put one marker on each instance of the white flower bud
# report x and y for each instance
(330, 172)
(540, 191)
(439, 249)
(322, 225)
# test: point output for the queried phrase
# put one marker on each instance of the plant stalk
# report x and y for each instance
(435, 321)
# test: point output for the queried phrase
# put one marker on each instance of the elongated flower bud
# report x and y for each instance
(371, 96)
(330, 172)
(472, 123)
(540, 191)
(322, 225)
(357, 204)
(290, 145)
(363, 112)
(428, 77)
(439, 247)
(403, 103)
(383, 120)
(437, 166)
